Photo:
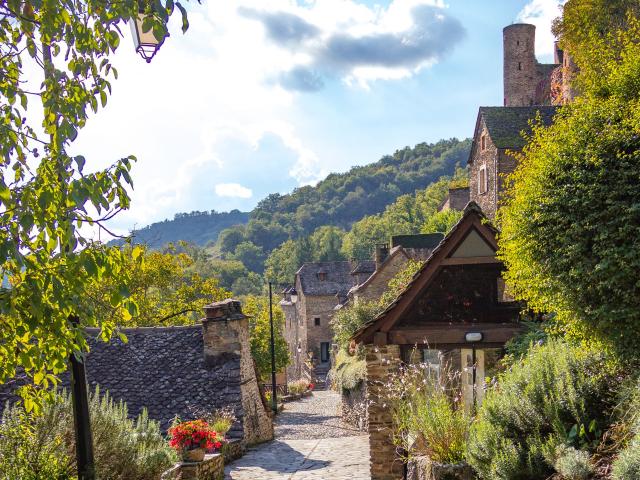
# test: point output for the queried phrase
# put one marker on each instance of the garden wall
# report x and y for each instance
(355, 407)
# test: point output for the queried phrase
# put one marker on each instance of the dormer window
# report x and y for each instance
(482, 179)
(322, 276)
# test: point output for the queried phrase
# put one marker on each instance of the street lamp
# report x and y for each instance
(293, 294)
(145, 42)
(473, 337)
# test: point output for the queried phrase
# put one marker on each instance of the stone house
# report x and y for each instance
(308, 306)
(497, 136)
(180, 371)
(455, 310)
(390, 260)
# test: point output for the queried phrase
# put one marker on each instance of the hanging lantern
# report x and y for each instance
(145, 43)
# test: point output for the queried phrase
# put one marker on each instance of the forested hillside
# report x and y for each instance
(341, 217)
(199, 228)
(342, 199)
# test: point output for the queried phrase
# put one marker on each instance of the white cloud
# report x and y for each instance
(234, 190)
(216, 85)
(541, 13)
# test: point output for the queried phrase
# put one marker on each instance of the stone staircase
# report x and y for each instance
(320, 372)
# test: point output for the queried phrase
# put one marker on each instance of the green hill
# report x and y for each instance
(339, 200)
(199, 228)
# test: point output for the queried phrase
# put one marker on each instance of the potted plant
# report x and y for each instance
(192, 439)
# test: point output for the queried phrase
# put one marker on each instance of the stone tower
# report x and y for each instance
(521, 76)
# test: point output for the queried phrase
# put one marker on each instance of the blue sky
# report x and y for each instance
(261, 97)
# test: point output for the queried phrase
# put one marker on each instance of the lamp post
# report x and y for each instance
(473, 337)
(293, 294)
(145, 41)
(274, 393)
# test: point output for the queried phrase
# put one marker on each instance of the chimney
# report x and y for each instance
(223, 331)
(382, 252)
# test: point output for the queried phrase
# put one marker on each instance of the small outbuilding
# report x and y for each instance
(456, 310)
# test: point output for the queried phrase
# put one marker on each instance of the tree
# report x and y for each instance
(326, 243)
(571, 224)
(257, 308)
(283, 262)
(250, 255)
(46, 195)
(441, 221)
(230, 238)
(163, 288)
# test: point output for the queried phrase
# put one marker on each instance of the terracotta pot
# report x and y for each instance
(195, 455)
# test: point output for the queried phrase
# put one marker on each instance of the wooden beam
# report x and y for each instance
(454, 334)
(469, 260)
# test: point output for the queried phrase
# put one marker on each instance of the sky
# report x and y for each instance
(262, 97)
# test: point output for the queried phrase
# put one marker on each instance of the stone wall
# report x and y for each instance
(354, 407)
(422, 468)
(212, 468)
(377, 284)
(487, 157)
(382, 362)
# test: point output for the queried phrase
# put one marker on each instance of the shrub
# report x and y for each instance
(35, 447)
(297, 387)
(627, 465)
(428, 417)
(221, 419)
(572, 464)
(557, 395)
(349, 371)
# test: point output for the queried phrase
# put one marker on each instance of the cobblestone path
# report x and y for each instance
(311, 443)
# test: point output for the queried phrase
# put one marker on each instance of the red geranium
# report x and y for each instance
(194, 434)
(311, 385)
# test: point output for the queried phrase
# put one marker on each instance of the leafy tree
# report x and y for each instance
(252, 284)
(163, 288)
(283, 262)
(230, 238)
(571, 225)
(225, 271)
(257, 308)
(326, 244)
(250, 255)
(441, 221)
(46, 195)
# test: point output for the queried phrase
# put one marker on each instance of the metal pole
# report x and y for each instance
(274, 393)
(80, 397)
(473, 360)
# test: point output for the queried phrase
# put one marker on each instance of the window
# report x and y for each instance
(519, 65)
(483, 142)
(316, 321)
(322, 276)
(432, 360)
(482, 179)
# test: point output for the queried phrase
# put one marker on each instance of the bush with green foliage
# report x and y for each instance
(349, 371)
(427, 413)
(42, 446)
(573, 464)
(297, 387)
(557, 395)
(570, 228)
(627, 464)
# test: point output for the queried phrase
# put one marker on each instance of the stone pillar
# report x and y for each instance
(226, 333)
(382, 362)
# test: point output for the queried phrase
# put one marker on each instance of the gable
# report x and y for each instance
(473, 245)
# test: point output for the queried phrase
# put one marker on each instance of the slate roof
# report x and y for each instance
(365, 266)
(163, 370)
(338, 278)
(422, 240)
(506, 124)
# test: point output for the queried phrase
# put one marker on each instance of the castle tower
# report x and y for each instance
(520, 65)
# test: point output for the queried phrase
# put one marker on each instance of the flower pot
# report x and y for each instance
(194, 455)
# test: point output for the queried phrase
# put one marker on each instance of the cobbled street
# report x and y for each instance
(311, 443)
